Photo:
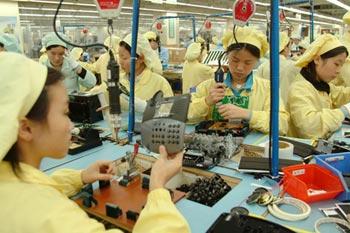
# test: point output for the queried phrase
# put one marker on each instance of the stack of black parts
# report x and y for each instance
(206, 191)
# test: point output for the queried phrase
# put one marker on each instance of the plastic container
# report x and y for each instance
(311, 183)
(338, 164)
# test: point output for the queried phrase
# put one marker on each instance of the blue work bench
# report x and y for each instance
(201, 217)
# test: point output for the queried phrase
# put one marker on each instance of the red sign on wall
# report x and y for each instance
(207, 25)
(108, 4)
(159, 26)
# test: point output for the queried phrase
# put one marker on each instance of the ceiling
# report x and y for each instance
(39, 13)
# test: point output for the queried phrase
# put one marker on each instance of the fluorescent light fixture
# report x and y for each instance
(340, 4)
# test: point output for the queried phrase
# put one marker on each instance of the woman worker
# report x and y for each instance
(287, 67)
(147, 82)
(241, 96)
(317, 107)
(194, 72)
(74, 74)
(35, 125)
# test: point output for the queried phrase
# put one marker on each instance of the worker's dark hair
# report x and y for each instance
(126, 46)
(255, 51)
(38, 113)
(309, 72)
(2, 45)
(53, 46)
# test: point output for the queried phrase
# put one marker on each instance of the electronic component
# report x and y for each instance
(113, 211)
(222, 128)
(87, 139)
(204, 151)
(206, 191)
(261, 165)
(163, 122)
(103, 183)
(239, 221)
(132, 215)
(82, 108)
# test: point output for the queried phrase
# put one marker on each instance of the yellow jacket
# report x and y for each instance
(146, 85)
(38, 203)
(194, 73)
(315, 114)
(288, 71)
(259, 104)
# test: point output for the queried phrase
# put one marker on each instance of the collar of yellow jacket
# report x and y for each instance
(143, 78)
(28, 174)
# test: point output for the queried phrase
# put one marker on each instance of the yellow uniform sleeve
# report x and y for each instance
(311, 113)
(69, 181)
(160, 215)
(199, 110)
(340, 95)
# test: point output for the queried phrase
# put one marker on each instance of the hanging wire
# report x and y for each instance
(68, 42)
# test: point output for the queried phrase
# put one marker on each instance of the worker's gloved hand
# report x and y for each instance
(346, 110)
(140, 105)
(73, 63)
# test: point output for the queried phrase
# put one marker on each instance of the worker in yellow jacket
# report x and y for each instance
(317, 107)
(287, 68)
(194, 72)
(147, 82)
(241, 96)
(35, 125)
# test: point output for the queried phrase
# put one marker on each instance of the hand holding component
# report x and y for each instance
(73, 63)
(216, 93)
(165, 168)
(231, 111)
(100, 170)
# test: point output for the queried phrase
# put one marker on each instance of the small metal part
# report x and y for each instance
(240, 210)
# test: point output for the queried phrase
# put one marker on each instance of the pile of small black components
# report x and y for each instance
(206, 191)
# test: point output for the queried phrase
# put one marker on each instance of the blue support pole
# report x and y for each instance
(311, 21)
(194, 29)
(274, 67)
(135, 28)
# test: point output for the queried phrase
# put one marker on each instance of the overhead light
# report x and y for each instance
(340, 4)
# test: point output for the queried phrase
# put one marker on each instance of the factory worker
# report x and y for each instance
(194, 72)
(241, 96)
(9, 43)
(73, 72)
(154, 42)
(287, 68)
(343, 79)
(317, 107)
(147, 82)
(35, 125)
(304, 45)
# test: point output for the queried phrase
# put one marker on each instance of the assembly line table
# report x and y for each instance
(201, 217)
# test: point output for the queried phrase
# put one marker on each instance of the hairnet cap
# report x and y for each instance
(22, 81)
(143, 48)
(76, 53)
(193, 51)
(249, 36)
(321, 45)
(150, 35)
(10, 43)
(52, 39)
(200, 40)
(114, 42)
(284, 40)
(346, 18)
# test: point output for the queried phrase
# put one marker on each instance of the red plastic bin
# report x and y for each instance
(298, 179)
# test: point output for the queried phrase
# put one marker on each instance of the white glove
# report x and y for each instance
(346, 109)
(140, 105)
(73, 63)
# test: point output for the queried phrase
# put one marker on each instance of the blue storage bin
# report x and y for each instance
(338, 164)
